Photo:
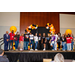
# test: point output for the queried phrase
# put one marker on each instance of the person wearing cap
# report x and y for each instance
(6, 40)
(2, 57)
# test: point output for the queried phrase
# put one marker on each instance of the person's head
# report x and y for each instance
(59, 58)
(48, 34)
(52, 34)
(44, 34)
(72, 35)
(22, 34)
(39, 34)
(62, 35)
(68, 35)
(12, 31)
(1, 52)
(7, 32)
(17, 33)
(35, 34)
(59, 34)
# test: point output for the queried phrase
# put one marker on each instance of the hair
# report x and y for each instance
(59, 58)
(68, 35)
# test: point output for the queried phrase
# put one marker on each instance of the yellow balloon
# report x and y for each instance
(68, 31)
(13, 28)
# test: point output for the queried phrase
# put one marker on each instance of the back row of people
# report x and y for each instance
(38, 42)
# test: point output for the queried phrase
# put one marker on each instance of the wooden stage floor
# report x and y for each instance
(35, 51)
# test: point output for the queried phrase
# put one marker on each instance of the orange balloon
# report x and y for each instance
(68, 31)
(13, 28)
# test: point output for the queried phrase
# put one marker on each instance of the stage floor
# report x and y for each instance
(28, 51)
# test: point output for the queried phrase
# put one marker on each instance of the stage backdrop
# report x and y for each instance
(39, 18)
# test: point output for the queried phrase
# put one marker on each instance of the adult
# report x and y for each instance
(6, 40)
(2, 57)
(11, 39)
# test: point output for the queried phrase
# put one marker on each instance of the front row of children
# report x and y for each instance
(51, 42)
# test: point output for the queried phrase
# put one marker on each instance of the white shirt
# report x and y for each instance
(35, 38)
(56, 36)
(31, 37)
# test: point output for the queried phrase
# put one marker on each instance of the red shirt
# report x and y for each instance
(11, 36)
(68, 39)
(21, 38)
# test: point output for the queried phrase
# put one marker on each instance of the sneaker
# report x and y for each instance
(20, 49)
(31, 49)
(35, 49)
(44, 49)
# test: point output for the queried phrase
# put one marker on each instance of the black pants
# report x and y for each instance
(58, 45)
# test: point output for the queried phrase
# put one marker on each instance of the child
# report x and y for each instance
(21, 40)
(68, 39)
(36, 41)
(47, 43)
(31, 39)
(39, 42)
(56, 36)
(44, 42)
(59, 40)
(63, 42)
(53, 41)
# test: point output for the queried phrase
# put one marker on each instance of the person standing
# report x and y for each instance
(59, 40)
(31, 39)
(72, 41)
(44, 42)
(63, 42)
(36, 41)
(53, 41)
(68, 39)
(16, 37)
(39, 42)
(6, 40)
(26, 41)
(47, 43)
(21, 41)
(56, 36)
(11, 39)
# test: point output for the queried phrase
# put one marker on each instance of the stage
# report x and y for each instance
(37, 56)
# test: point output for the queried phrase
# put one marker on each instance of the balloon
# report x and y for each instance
(68, 31)
(13, 28)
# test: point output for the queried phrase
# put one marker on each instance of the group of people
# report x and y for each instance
(37, 42)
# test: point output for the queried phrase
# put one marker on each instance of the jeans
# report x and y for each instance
(53, 44)
(69, 46)
(36, 44)
(11, 43)
(32, 42)
(26, 45)
(72, 45)
(16, 44)
(63, 44)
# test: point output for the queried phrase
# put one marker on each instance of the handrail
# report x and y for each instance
(1, 38)
(1, 41)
